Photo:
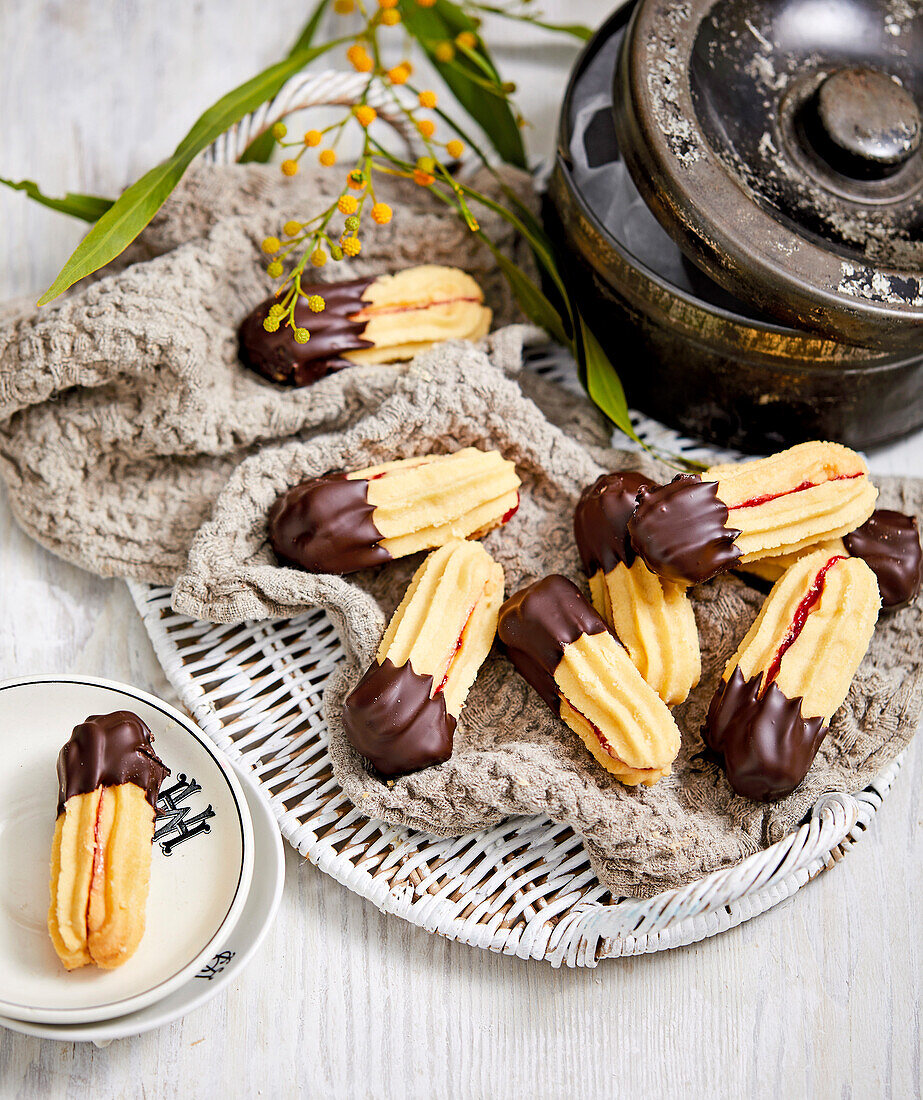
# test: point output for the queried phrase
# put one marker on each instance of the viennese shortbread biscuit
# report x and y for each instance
(343, 522)
(407, 312)
(401, 715)
(652, 617)
(109, 779)
(563, 648)
(770, 569)
(791, 673)
(888, 542)
(372, 320)
(694, 528)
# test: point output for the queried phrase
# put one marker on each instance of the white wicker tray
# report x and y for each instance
(523, 888)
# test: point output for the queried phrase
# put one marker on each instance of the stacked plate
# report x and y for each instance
(216, 876)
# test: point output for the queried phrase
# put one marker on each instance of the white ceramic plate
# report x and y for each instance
(200, 873)
(223, 967)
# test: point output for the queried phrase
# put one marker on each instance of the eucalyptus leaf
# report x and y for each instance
(576, 30)
(88, 207)
(430, 26)
(533, 302)
(603, 383)
(260, 149)
(530, 229)
(475, 58)
(530, 297)
(132, 211)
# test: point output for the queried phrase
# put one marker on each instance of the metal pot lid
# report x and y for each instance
(780, 143)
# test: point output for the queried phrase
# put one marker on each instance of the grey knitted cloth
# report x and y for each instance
(512, 755)
(123, 408)
(125, 417)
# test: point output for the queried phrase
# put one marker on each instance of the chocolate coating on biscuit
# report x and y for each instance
(767, 745)
(680, 530)
(325, 526)
(279, 357)
(537, 623)
(107, 750)
(391, 718)
(889, 543)
(601, 520)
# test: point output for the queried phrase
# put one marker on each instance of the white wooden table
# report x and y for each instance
(819, 997)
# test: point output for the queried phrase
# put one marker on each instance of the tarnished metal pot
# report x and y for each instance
(727, 363)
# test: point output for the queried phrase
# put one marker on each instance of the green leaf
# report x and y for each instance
(260, 149)
(487, 84)
(479, 62)
(533, 302)
(430, 26)
(305, 39)
(458, 20)
(130, 213)
(603, 383)
(576, 30)
(88, 207)
(528, 218)
(533, 233)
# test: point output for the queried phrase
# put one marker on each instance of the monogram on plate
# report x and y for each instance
(175, 826)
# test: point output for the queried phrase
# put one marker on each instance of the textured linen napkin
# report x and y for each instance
(512, 755)
(123, 407)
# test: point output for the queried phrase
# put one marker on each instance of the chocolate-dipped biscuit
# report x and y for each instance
(560, 645)
(791, 673)
(537, 623)
(374, 320)
(738, 513)
(889, 542)
(325, 526)
(279, 357)
(339, 523)
(402, 714)
(106, 750)
(651, 616)
(108, 778)
(396, 722)
(680, 530)
(767, 745)
(601, 520)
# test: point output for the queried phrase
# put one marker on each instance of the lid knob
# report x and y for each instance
(863, 123)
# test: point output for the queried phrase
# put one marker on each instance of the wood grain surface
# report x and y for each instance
(819, 997)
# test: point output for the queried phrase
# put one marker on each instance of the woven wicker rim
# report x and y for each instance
(524, 887)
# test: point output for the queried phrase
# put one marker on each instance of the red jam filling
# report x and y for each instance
(808, 603)
(755, 502)
(362, 315)
(454, 654)
(448, 669)
(512, 512)
(601, 737)
(97, 860)
(384, 473)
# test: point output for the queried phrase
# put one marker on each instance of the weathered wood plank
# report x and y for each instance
(819, 997)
